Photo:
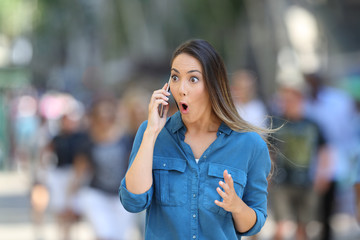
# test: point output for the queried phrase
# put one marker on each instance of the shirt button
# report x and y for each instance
(194, 216)
(205, 156)
(194, 195)
(194, 236)
(164, 164)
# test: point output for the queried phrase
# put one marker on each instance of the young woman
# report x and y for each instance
(201, 173)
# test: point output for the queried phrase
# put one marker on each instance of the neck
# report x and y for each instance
(207, 123)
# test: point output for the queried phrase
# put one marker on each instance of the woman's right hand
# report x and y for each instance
(155, 122)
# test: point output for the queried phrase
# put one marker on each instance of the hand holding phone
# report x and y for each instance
(161, 107)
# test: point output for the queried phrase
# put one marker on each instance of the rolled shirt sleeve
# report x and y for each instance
(255, 194)
(135, 202)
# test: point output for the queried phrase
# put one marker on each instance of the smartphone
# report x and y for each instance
(161, 107)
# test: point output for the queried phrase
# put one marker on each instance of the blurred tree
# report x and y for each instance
(92, 33)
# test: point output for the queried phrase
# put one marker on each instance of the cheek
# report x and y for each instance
(174, 92)
(202, 97)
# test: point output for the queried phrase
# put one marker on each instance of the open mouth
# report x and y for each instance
(184, 107)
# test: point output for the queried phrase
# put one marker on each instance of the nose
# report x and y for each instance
(183, 88)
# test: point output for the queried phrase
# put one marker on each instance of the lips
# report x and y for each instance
(184, 107)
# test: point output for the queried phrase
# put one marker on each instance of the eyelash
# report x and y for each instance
(175, 78)
(194, 78)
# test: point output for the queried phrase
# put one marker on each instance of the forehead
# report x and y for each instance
(186, 62)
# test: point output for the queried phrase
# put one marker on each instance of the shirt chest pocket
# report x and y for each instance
(214, 175)
(170, 181)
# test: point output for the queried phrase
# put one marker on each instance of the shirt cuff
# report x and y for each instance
(134, 202)
(260, 221)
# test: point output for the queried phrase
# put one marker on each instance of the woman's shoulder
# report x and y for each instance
(252, 139)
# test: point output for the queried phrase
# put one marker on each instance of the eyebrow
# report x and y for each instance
(191, 71)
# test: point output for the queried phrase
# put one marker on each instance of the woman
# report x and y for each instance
(200, 174)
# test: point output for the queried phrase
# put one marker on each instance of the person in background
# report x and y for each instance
(302, 152)
(134, 106)
(352, 86)
(134, 111)
(100, 165)
(247, 103)
(323, 103)
(39, 195)
(357, 192)
(60, 169)
(201, 173)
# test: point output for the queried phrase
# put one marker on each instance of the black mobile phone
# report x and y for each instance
(161, 107)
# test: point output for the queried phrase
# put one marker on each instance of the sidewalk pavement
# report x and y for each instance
(16, 217)
(16, 221)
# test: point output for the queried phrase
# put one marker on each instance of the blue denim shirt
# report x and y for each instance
(180, 203)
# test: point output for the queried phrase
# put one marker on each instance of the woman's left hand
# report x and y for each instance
(231, 201)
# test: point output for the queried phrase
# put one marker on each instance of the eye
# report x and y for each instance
(194, 79)
(174, 78)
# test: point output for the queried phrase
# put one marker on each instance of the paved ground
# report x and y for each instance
(16, 222)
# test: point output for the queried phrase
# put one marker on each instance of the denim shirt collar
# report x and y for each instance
(175, 124)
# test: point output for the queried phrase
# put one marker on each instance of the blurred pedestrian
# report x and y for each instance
(100, 165)
(134, 104)
(60, 169)
(39, 192)
(302, 150)
(247, 103)
(352, 86)
(357, 193)
(135, 111)
(322, 104)
(201, 173)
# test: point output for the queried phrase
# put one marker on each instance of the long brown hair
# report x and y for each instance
(217, 84)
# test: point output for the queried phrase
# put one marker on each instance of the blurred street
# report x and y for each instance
(16, 214)
(76, 78)
(16, 221)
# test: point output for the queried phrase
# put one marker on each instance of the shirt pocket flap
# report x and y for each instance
(217, 170)
(167, 163)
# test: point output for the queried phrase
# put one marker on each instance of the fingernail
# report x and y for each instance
(229, 175)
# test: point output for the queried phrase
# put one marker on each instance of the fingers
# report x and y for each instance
(221, 193)
(160, 101)
(220, 204)
(163, 90)
(230, 200)
(225, 186)
(165, 87)
(166, 109)
(228, 179)
(161, 95)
